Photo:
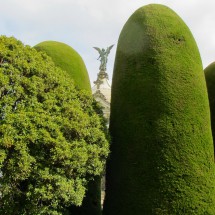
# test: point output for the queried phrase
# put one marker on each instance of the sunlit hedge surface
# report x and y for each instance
(162, 160)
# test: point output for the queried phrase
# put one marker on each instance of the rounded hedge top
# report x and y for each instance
(68, 60)
(51, 137)
(161, 158)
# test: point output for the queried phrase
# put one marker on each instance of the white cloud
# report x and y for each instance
(84, 24)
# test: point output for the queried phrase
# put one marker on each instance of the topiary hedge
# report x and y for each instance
(67, 59)
(210, 81)
(52, 140)
(161, 160)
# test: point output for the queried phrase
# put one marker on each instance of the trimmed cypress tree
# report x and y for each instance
(68, 60)
(210, 81)
(161, 160)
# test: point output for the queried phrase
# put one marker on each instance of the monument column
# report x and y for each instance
(102, 88)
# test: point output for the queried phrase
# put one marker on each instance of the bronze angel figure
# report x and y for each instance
(103, 54)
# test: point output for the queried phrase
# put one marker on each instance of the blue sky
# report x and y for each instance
(83, 24)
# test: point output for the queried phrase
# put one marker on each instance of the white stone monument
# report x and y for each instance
(102, 88)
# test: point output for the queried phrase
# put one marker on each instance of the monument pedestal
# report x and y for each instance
(102, 92)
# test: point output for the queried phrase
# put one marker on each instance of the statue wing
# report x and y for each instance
(109, 48)
(98, 49)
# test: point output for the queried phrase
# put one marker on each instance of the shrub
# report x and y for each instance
(52, 141)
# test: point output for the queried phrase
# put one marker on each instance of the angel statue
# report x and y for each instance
(103, 54)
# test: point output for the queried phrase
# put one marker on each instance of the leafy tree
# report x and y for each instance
(52, 141)
(161, 160)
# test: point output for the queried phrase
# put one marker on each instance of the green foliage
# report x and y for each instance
(52, 141)
(91, 204)
(210, 80)
(161, 160)
(68, 60)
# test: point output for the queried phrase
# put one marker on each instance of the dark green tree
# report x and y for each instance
(161, 160)
(52, 140)
(210, 81)
(68, 60)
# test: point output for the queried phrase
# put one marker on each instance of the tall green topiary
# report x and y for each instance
(68, 60)
(210, 81)
(161, 160)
